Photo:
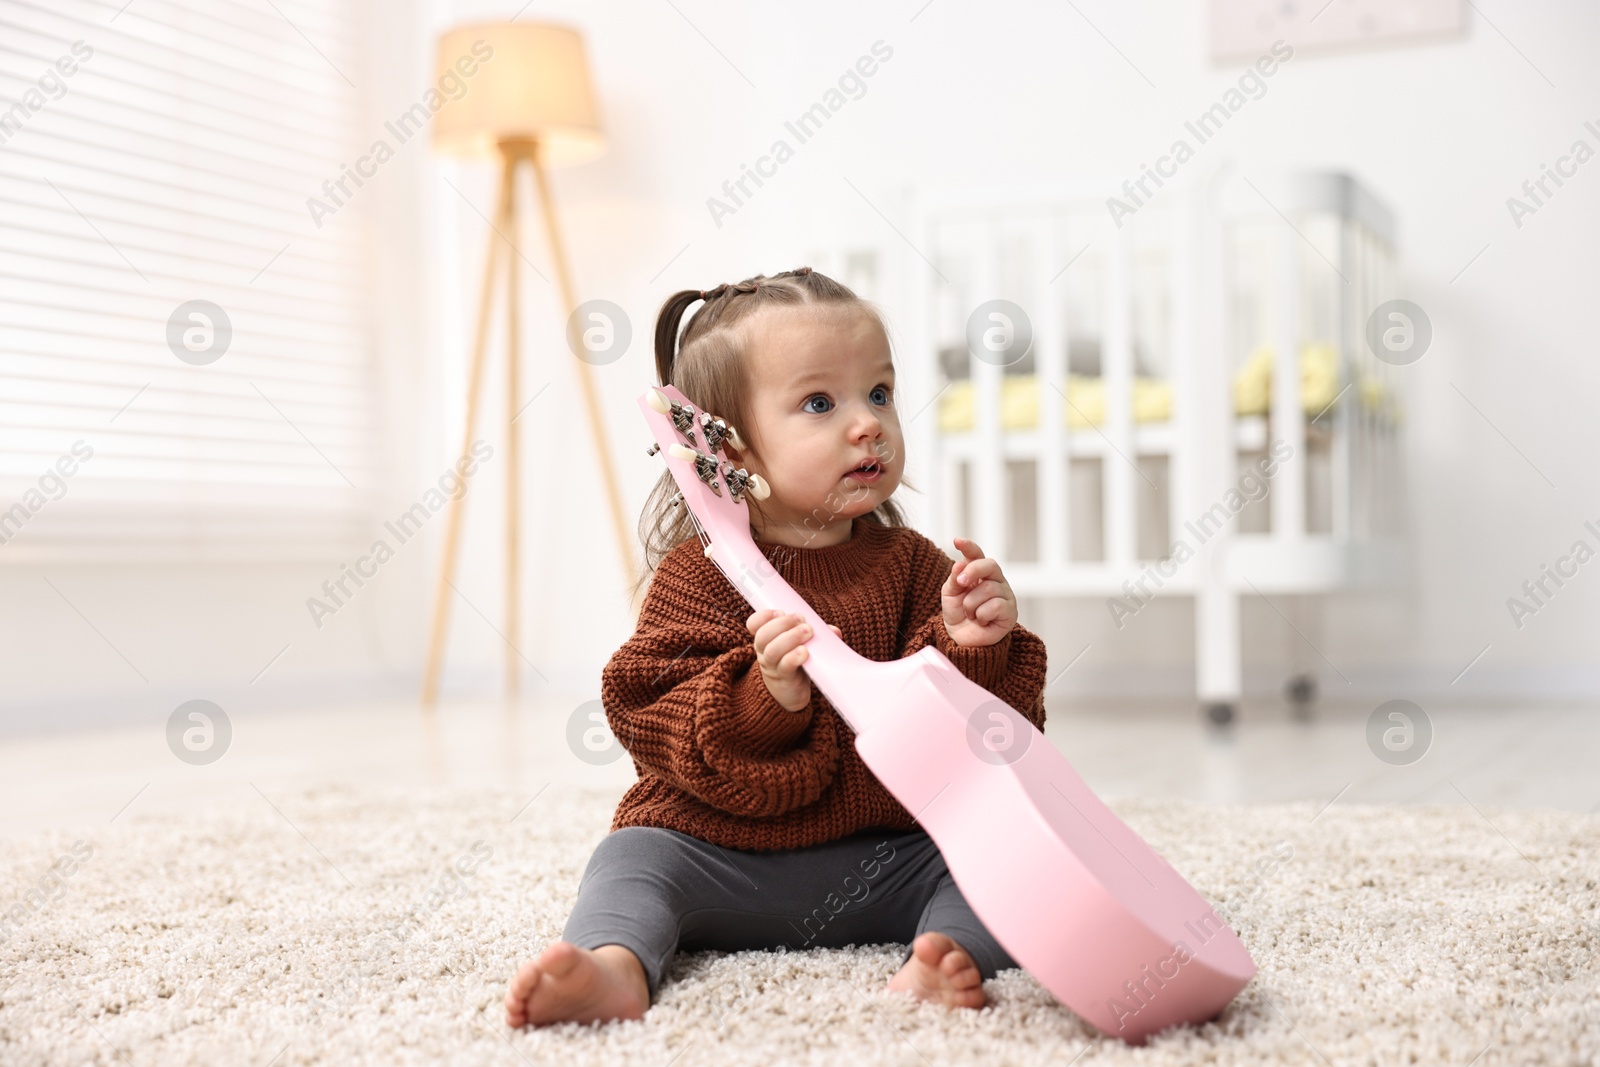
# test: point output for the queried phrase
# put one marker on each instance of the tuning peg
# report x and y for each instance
(705, 467)
(740, 480)
(738, 441)
(715, 430)
(682, 415)
(652, 450)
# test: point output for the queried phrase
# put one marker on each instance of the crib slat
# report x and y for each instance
(1353, 261)
(1050, 362)
(988, 469)
(1116, 367)
(1382, 477)
(1288, 415)
(917, 399)
(1183, 459)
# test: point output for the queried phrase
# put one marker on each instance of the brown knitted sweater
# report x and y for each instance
(717, 757)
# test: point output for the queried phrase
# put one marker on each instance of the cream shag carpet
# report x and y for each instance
(342, 926)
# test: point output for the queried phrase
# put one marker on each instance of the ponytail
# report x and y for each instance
(667, 331)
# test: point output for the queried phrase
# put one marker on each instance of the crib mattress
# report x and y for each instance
(1152, 397)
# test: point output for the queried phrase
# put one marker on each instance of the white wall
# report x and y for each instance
(1014, 92)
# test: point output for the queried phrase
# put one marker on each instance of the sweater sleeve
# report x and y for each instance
(685, 699)
(1013, 668)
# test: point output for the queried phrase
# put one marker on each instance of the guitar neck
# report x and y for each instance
(856, 686)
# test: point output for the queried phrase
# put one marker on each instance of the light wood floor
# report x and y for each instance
(1521, 758)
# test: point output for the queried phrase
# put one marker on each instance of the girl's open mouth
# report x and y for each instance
(867, 472)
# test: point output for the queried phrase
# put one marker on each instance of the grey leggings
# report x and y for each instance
(656, 891)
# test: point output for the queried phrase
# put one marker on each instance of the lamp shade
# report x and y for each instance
(527, 81)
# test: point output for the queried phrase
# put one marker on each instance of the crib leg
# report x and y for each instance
(1216, 632)
(1302, 693)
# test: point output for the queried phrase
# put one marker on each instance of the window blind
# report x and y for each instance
(154, 155)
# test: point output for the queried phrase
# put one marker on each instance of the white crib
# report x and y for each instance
(1089, 465)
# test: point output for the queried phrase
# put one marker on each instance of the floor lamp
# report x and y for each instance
(527, 99)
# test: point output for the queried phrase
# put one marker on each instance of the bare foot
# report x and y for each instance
(941, 971)
(568, 983)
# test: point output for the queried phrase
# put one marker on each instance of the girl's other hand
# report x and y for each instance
(780, 640)
(979, 605)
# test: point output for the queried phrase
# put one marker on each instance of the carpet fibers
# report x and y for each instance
(360, 926)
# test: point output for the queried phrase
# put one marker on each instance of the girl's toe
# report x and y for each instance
(927, 949)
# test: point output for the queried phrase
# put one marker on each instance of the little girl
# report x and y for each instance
(754, 823)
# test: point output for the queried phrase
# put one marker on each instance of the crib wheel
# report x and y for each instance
(1301, 691)
(1221, 714)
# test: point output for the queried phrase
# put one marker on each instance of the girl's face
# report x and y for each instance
(824, 404)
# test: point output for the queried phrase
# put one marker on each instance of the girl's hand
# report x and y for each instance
(780, 641)
(979, 606)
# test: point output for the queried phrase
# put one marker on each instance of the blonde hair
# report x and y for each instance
(709, 366)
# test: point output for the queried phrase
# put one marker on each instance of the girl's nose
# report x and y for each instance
(868, 425)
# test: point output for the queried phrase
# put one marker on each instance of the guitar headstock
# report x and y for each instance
(693, 443)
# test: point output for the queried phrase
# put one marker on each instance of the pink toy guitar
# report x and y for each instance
(1075, 896)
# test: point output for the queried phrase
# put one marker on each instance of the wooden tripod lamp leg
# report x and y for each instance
(441, 600)
(602, 447)
(513, 391)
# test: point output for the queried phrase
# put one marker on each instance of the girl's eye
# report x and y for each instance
(816, 411)
(876, 391)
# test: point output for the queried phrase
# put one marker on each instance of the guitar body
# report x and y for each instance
(1076, 897)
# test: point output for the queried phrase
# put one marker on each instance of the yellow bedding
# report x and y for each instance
(1152, 397)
